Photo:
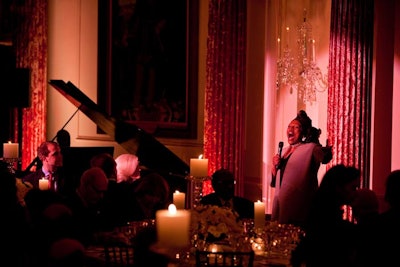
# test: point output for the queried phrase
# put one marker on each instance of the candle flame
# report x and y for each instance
(172, 209)
(177, 191)
(201, 156)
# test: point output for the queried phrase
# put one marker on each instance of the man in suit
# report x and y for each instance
(223, 183)
(50, 155)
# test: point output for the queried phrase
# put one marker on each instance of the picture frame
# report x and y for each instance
(148, 64)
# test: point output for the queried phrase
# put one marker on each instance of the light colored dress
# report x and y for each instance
(296, 186)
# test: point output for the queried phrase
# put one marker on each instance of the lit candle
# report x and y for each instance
(179, 199)
(199, 167)
(43, 184)
(172, 227)
(313, 50)
(259, 214)
(10, 150)
(279, 48)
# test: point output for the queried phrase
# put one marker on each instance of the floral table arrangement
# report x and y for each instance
(215, 224)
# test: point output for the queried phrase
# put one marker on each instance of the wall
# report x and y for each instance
(72, 47)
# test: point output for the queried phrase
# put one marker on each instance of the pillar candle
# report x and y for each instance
(199, 167)
(10, 150)
(43, 184)
(179, 200)
(259, 214)
(172, 227)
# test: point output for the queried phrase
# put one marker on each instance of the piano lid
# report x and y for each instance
(151, 153)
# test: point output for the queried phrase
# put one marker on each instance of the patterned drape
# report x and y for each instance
(31, 52)
(225, 88)
(350, 82)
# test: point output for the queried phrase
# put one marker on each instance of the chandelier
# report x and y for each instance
(301, 73)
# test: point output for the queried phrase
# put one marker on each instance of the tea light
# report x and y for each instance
(199, 167)
(259, 214)
(43, 184)
(179, 199)
(10, 150)
(172, 227)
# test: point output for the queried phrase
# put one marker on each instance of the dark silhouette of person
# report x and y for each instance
(223, 183)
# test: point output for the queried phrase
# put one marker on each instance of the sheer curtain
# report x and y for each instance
(31, 52)
(225, 88)
(350, 82)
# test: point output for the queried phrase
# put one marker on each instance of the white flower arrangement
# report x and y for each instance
(215, 223)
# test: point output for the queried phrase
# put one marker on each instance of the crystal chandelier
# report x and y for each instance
(301, 74)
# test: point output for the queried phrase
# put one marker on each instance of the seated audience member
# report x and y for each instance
(14, 223)
(86, 204)
(107, 163)
(120, 196)
(63, 139)
(365, 206)
(365, 211)
(388, 226)
(49, 153)
(223, 183)
(66, 252)
(152, 193)
(127, 168)
(329, 239)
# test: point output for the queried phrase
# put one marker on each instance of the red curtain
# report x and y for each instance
(350, 82)
(225, 88)
(31, 52)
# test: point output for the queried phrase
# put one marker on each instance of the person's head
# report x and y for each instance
(299, 128)
(106, 162)
(49, 153)
(366, 203)
(127, 168)
(153, 191)
(223, 183)
(392, 192)
(341, 183)
(93, 185)
(63, 138)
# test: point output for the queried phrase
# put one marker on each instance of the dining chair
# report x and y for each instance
(225, 258)
(118, 255)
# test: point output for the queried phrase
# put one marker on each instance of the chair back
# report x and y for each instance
(225, 258)
(118, 255)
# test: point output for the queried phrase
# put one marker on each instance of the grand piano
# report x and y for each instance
(153, 155)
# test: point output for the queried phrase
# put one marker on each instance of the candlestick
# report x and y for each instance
(179, 199)
(43, 184)
(10, 150)
(199, 167)
(259, 214)
(172, 227)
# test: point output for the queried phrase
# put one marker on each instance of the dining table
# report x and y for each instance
(272, 246)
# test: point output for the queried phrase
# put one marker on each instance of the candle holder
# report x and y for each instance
(195, 190)
(12, 164)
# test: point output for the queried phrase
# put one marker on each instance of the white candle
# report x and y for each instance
(179, 199)
(10, 150)
(313, 50)
(199, 167)
(43, 184)
(172, 227)
(259, 214)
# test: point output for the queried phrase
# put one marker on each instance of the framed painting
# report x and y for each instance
(148, 64)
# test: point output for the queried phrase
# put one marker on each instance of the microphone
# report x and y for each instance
(280, 146)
